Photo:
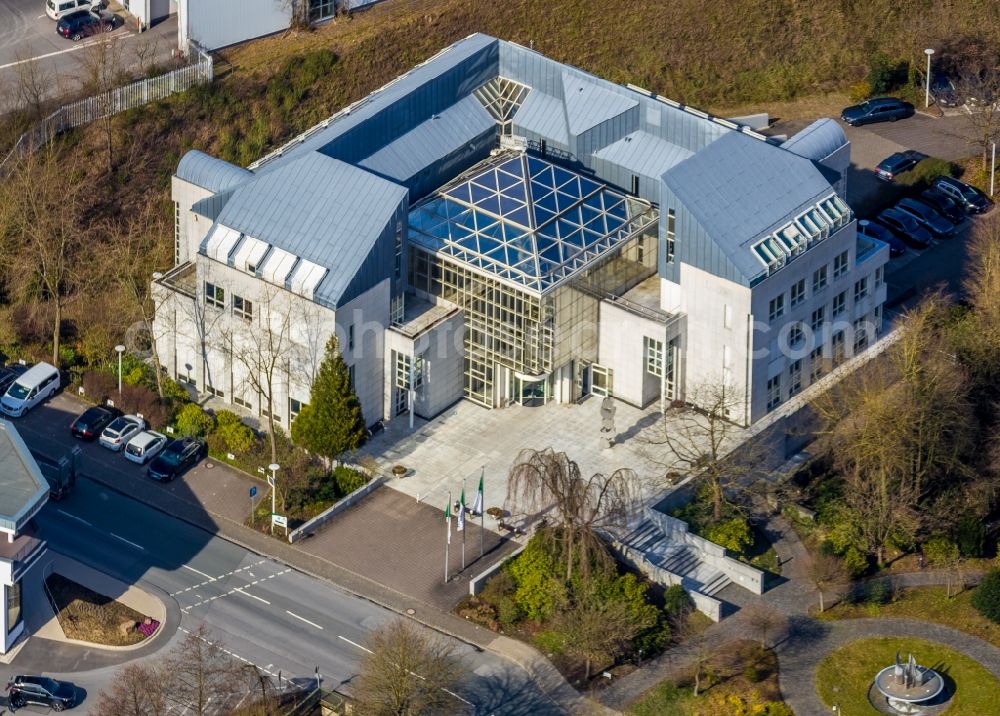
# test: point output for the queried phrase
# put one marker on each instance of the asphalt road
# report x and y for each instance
(261, 610)
(26, 32)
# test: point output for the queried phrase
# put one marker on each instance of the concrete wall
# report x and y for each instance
(622, 334)
(192, 227)
(219, 23)
(709, 606)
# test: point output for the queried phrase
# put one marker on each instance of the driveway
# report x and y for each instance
(27, 33)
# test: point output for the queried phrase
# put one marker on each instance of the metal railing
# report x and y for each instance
(112, 102)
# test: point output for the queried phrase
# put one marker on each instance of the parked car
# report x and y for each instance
(944, 204)
(120, 431)
(943, 91)
(41, 690)
(895, 164)
(39, 382)
(84, 23)
(145, 446)
(93, 421)
(933, 221)
(9, 374)
(58, 9)
(874, 230)
(877, 109)
(906, 227)
(968, 197)
(177, 457)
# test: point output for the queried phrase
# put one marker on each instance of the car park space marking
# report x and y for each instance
(303, 619)
(234, 590)
(119, 537)
(215, 579)
(73, 517)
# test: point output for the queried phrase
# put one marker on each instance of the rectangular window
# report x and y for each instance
(837, 348)
(635, 185)
(242, 402)
(819, 279)
(839, 303)
(671, 234)
(798, 292)
(653, 351)
(294, 408)
(816, 364)
(879, 277)
(794, 377)
(773, 392)
(242, 308)
(267, 413)
(860, 335)
(177, 234)
(795, 334)
(350, 337)
(186, 377)
(640, 249)
(776, 308)
(350, 376)
(840, 265)
(860, 289)
(215, 391)
(214, 295)
(399, 248)
(13, 606)
(818, 316)
(402, 363)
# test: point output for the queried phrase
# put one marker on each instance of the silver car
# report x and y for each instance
(120, 431)
(145, 446)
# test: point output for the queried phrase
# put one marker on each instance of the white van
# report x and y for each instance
(56, 9)
(35, 385)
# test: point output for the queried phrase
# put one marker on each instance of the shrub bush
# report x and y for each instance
(986, 597)
(140, 399)
(732, 534)
(855, 562)
(98, 385)
(193, 421)
(971, 536)
(237, 436)
(924, 174)
(540, 593)
(676, 600)
(347, 480)
(860, 91)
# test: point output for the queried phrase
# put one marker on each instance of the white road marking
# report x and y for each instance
(252, 596)
(233, 590)
(73, 517)
(235, 656)
(209, 577)
(137, 546)
(303, 619)
(354, 643)
(74, 48)
(40, 17)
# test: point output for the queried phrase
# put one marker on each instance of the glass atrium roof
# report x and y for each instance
(527, 220)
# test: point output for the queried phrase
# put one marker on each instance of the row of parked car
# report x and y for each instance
(128, 434)
(936, 213)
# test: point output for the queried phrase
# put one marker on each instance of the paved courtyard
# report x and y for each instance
(467, 440)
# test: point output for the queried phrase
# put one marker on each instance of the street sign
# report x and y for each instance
(253, 492)
(279, 520)
(270, 480)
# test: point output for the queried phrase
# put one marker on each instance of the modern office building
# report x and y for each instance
(498, 226)
(23, 491)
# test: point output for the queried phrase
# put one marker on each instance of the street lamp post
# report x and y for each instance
(121, 349)
(927, 84)
(272, 481)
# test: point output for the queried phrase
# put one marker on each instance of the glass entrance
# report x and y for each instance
(602, 380)
(530, 391)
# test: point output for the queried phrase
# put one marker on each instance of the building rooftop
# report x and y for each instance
(527, 220)
(23, 490)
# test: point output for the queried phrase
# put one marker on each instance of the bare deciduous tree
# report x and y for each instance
(104, 70)
(201, 673)
(34, 84)
(764, 619)
(540, 481)
(137, 690)
(826, 571)
(979, 86)
(406, 672)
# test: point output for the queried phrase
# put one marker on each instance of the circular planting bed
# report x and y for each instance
(844, 678)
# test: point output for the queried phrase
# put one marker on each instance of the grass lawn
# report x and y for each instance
(741, 669)
(88, 616)
(852, 668)
(929, 604)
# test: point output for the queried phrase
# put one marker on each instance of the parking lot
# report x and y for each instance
(28, 34)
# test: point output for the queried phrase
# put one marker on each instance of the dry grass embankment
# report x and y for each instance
(88, 616)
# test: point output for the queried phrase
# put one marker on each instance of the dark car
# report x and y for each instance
(895, 164)
(78, 25)
(874, 230)
(937, 224)
(944, 204)
(877, 109)
(89, 425)
(41, 690)
(177, 457)
(905, 227)
(943, 91)
(968, 197)
(9, 374)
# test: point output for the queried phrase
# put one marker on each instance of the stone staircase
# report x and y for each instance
(680, 559)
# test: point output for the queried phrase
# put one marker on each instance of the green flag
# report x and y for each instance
(461, 511)
(447, 517)
(477, 506)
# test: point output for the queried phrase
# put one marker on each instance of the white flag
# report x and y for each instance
(477, 506)
(461, 511)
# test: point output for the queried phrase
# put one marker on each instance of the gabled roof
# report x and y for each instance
(588, 103)
(431, 140)
(210, 173)
(644, 153)
(544, 115)
(817, 141)
(319, 209)
(23, 490)
(739, 188)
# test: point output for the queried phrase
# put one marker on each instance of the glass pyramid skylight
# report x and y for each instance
(527, 220)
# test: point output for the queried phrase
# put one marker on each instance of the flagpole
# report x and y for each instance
(462, 508)
(482, 512)
(448, 537)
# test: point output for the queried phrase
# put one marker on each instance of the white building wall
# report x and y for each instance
(191, 228)
(621, 348)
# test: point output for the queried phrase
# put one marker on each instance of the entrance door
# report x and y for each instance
(583, 379)
(602, 380)
(402, 403)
